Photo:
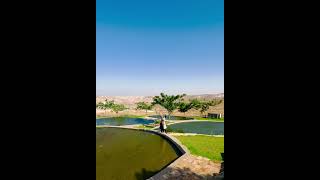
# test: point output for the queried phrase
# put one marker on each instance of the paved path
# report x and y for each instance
(189, 167)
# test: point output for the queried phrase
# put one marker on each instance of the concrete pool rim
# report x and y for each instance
(172, 140)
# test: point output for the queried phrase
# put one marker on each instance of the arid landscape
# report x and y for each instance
(160, 90)
(130, 102)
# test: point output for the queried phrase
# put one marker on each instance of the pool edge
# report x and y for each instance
(183, 150)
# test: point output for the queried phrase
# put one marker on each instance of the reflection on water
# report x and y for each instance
(120, 121)
(130, 154)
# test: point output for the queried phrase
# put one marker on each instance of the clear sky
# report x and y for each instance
(144, 47)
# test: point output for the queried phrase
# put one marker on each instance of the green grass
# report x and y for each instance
(209, 119)
(206, 146)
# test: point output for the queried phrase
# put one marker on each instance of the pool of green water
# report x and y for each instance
(120, 121)
(200, 127)
(131, 154)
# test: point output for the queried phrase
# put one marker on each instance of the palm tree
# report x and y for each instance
(170, 103)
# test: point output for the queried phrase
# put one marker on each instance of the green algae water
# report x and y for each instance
(131, 154)
(200, 127)
(120, 121)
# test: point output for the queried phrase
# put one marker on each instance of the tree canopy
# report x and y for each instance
(169, 102)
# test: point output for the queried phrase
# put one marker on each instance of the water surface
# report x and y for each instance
(131, 154)
(120, 121)
(200, 127)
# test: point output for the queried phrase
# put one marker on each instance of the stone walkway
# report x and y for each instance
(189, 167)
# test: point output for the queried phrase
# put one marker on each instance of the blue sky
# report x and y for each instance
(145, 47)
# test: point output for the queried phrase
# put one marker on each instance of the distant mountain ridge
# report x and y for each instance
(220, 95)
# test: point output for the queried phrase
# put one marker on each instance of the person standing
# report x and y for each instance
(161, 125)
(164, 125)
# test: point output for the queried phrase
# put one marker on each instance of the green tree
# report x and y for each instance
(170, 103)
(205, 105)
(98, 105)
(105, 105)
(196, 104)
(118, 107)
(144, 106)
(184, 107)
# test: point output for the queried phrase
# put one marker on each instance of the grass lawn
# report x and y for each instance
(206, 146)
